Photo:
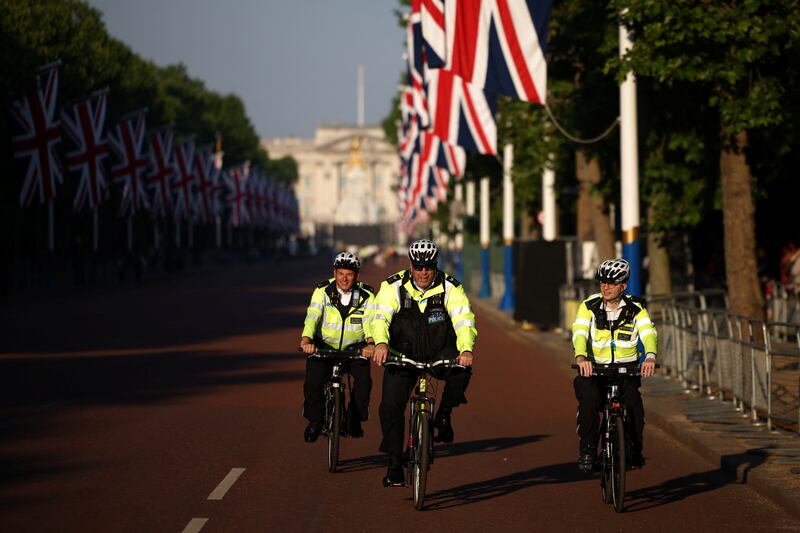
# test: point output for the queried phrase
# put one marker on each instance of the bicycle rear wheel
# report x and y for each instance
(334, 436)
(422, 459)
(618, 462)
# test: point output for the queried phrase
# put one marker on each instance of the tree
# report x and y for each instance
(736, 52)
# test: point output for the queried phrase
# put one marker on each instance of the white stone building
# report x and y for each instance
(347, 175)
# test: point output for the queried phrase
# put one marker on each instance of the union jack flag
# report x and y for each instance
(433, 32)
(38, 121)
(415, 56)
(85, 126)
(462, 114)
(499, 45)
(207, 172)
(183, 184)
(161, 171)
(126, 144)
(235, 179)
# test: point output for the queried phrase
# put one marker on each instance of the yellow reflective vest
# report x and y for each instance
(339, 326)
(387, 304)
(592, 335)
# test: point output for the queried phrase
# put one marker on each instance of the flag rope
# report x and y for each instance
(572, 138)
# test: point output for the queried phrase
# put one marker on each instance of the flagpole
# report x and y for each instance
(190, 234)
(218, 222)
(486, 287)
(549, 225)
(629, 170)
(507, 302)
(177, 232)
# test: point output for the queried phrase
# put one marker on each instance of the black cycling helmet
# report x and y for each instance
(347, 260)
(613, 271)
(423, 252)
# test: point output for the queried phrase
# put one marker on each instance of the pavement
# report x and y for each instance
(767, 461)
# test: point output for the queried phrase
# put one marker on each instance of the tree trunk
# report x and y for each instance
(603, 236)
(741, 268)
(584, 230)
(659, 274)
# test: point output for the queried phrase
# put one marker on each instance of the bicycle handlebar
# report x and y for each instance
(397, 357)
(343, 355)
(628, 369)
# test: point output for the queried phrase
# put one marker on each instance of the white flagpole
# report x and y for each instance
(470, 198)
(486, 286)
(629, 170)
(507, 303)
(549, 229)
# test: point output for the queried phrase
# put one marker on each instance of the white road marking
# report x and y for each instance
(226, 484)
(195, 525)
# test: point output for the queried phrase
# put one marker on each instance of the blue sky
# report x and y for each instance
(293, 62)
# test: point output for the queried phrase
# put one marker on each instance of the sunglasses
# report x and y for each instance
(419, 268)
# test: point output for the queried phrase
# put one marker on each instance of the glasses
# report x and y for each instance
(612, 283)
(420, 268)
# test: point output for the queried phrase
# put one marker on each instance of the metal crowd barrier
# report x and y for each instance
(735, 358)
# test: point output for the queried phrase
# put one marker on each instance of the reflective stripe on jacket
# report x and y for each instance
(387, 304)
(324, 319)
(592, 335)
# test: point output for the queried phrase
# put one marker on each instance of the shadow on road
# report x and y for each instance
(502, 486)
(443, 451)
(683, 487)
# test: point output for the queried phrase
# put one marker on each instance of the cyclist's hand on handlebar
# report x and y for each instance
(367, 351)
(584, 365)
(648, 368)
(380, 353)
(465, 359)
(307, 347)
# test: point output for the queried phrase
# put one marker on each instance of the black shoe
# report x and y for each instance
(443, 423)
(395, 476)
(312, 432)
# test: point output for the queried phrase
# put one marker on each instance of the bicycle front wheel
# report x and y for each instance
(618, 462)
(421, 459)
(336, 429)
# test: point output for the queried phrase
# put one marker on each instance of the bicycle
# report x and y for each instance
(334, 402)
(615, 443)
(420, 424)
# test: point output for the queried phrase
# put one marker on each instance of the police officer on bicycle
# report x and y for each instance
(425, 314)
(338, 318)
(607, 329)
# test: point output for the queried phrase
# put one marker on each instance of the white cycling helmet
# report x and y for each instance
(423, 251)
(613, 271)
(347, 260)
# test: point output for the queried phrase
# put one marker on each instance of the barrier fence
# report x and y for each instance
(753, 363)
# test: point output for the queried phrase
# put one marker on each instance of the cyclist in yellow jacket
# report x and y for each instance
(607, 330)
(338, 318)
(424, 314)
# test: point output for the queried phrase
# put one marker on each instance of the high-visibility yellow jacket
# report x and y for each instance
(339, 326)
(456, 303)
(592, 335)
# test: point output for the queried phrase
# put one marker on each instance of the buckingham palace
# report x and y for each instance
(347, 177)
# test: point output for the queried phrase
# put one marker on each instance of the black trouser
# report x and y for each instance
(591, 398)
(397, 385)
(317, 373)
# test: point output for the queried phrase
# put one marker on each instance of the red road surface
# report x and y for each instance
(122, 410)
